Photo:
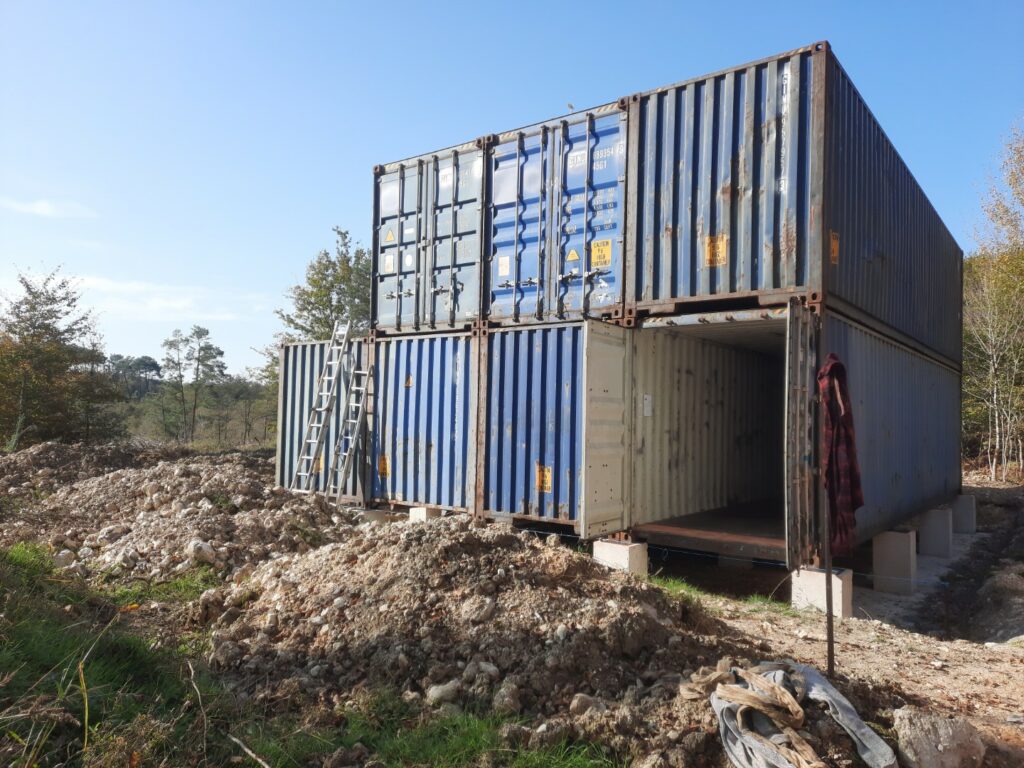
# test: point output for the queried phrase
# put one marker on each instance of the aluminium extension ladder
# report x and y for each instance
(319, 421)
(347, 443)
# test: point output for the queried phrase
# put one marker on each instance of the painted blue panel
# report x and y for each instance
(556, 218)
(906, 414)
(534, 426)
(423, 445)
(725, 169)
(896, 260)
(299, 370)
(426, 262)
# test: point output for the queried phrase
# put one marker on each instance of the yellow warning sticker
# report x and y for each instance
(504, 266)
(601, 253)
(573, 255)
(833, 246)
(716, 251)
(543, 478)
(408, 381)
(384, 466)
(389, 237)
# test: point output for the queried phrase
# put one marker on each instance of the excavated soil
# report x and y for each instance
(317, 608)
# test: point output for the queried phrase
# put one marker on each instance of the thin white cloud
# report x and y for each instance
(50, 209)
(142, 301)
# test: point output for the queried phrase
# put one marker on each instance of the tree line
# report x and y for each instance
(993, 382)
(57, 381)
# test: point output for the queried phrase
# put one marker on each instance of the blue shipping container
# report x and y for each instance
(298, 372)
(555, 437)
(424, 420)
(555, 214)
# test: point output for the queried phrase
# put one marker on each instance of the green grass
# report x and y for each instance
(399, 734)
(181, 589)
(678, 587)
(769, 604)
(72, 674)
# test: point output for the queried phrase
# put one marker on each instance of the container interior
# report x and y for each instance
(709, 469)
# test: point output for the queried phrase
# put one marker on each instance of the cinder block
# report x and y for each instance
(422, 514)
(894, 556)
(808, 590)
(965, 514)
(622, 556)
(935, 532)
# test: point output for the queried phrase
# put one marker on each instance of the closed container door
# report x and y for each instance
(423, 444)
(519, 220)
(606, 411)
(399, 222)
(800, 495)
(556, 220)
(533, 440)
(590, 183)
(452, 296)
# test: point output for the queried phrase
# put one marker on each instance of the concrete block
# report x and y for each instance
(622, 555)
(965, 514)
(377, 516)
(935, 532)
(422, 514)
(895, 562)
(808, 590)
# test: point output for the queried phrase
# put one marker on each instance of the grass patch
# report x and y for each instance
(769, 604)
(399, 734)
(678, 587)
(181, 589)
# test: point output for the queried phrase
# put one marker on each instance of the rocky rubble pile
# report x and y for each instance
(46, 467)
(457, 615)
(151, 523)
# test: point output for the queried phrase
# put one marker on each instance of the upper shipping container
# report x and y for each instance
(735, 189)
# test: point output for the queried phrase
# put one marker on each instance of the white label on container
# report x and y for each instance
(504, 266)
(648, 405)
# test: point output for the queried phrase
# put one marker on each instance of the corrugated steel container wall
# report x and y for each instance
(298, 373)
(424, 420)
(894, 258)
(534, 428)
(707, 423)
(906, 414)
(426, 252)
(555, 213)
(725, 183)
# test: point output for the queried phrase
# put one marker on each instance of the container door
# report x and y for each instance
(801, 368)
(399, 222)
(519, 170)
(606, 377)
(451, 295)
(590, 180)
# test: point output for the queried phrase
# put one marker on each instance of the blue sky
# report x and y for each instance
(185, 160)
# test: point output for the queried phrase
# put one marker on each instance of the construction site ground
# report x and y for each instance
(164, 608)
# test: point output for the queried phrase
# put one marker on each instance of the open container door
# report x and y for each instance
(606, 411)
(801, 368)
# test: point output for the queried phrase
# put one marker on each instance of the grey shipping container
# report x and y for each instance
(733, 190)
(426, 236)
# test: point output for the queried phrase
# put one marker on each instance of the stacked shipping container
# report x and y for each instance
(614, 318)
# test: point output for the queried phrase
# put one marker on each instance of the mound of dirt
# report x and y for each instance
(458, 615)
(46, 467)
(151, 523)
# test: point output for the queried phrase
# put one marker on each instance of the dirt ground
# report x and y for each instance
(303, 607)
